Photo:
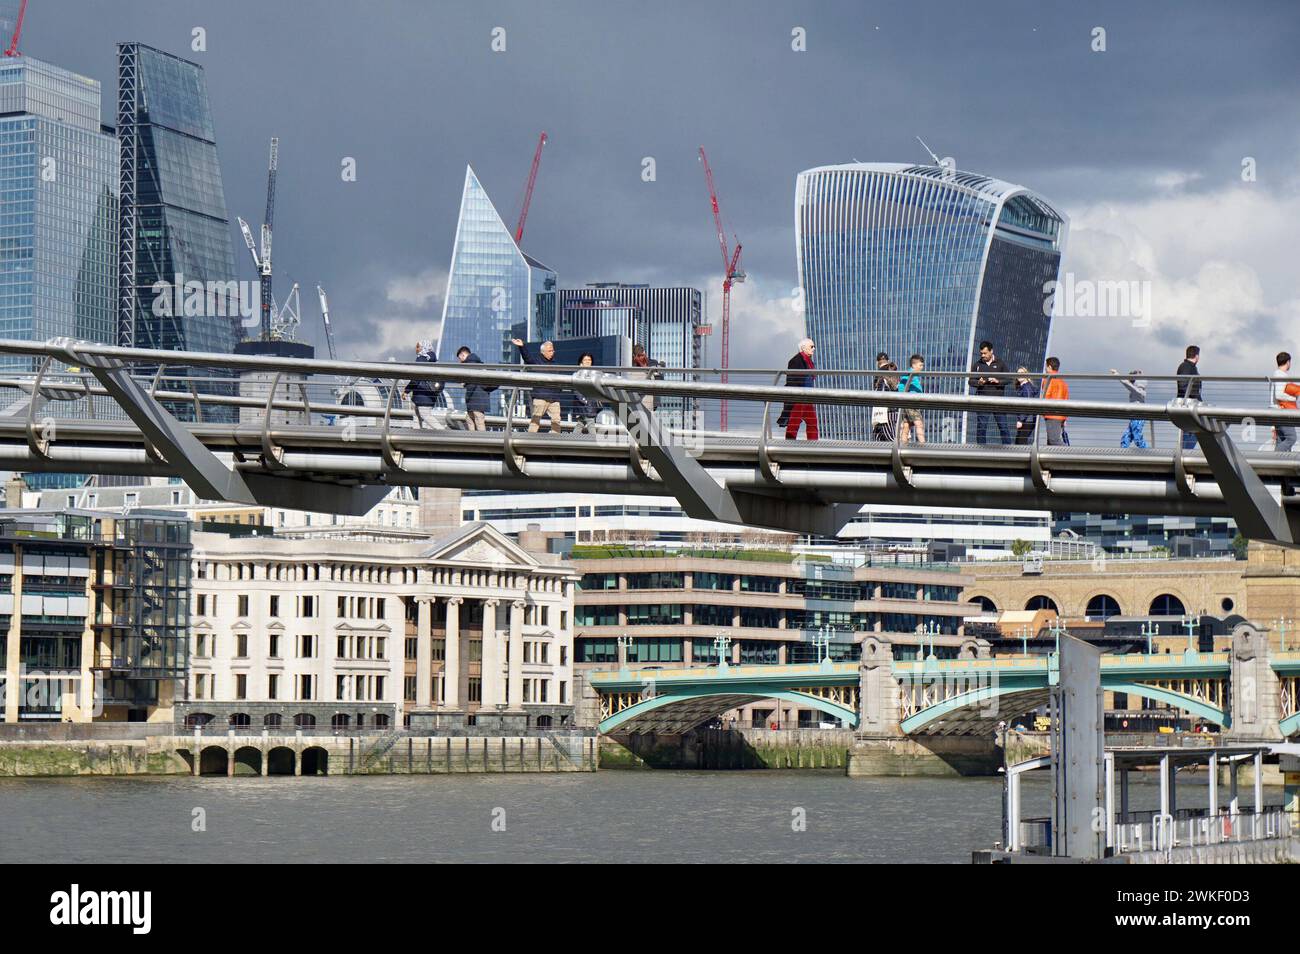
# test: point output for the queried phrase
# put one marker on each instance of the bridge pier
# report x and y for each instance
(1253, 692)
(879, 697)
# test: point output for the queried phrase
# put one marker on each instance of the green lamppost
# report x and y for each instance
(1149, 630)
(722, 645)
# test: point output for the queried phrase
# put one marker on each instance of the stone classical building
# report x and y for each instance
(465, 628)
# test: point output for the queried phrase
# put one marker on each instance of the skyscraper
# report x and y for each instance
(920, 259)
(173, 225)
(58, 208)
(494, 290)
(668, 321)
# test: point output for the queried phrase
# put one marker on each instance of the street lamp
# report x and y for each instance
(1149, 630)
(722, 644)
(1189, 626)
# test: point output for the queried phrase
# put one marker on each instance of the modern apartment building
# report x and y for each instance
(649, 609)
(94, 609)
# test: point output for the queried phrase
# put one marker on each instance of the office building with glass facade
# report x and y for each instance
(94, 614)
(495, 291)
(920, 259)
(173, 224)
(668, 321)
(58, 208)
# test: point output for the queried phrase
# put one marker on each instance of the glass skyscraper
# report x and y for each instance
(668, 321)
(919, 259)
(494, 290)
(174, 226)
(58, 208)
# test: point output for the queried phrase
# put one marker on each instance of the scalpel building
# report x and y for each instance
(920, 259)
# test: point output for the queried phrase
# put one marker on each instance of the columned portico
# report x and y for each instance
(424, 652)
(491, 678)
(451, 664)
(517, 656)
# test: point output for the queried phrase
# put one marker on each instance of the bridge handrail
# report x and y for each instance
(75, 351)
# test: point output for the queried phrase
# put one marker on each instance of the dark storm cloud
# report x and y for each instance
(413, 92)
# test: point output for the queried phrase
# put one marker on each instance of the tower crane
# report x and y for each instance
(528, 192)
(731, 275)
(325, 315)
(12, 48)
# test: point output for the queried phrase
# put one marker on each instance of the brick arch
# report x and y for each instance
(1061, 608)
(1188, 605)
(1083, 604)
(971, 595)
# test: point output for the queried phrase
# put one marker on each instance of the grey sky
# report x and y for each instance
(1140, 144)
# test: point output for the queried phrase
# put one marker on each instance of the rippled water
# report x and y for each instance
(606, 816)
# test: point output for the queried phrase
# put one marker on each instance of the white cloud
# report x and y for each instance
(1221, 275)
(765, 327)
(417, 290)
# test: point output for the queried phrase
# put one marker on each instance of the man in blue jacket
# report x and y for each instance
(426, 396)
(476, 395)
(546, 397)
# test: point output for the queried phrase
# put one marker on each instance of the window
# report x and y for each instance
(201, 644)
(306, 607)
(306, 647)
(243, 605)
(1166, 604)
(410, 648)
(273, 687)
(272, 720)
(241, 645)
(340, 687)
(408, 688)
(342, 650)
(201, 604)
(241, 686)
(274, 609)
(130, 499)
(1102, 606)
(273, 646)
(306, 687)
(1042, 603)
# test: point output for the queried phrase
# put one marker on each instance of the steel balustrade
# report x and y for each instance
(294, 446)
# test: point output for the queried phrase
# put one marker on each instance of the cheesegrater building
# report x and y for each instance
(922, 259)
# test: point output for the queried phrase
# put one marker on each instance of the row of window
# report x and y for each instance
(761, 617)
(810, 589)
(305, 645)
(1102, 606)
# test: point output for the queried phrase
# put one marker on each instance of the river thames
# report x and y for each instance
(646, 817)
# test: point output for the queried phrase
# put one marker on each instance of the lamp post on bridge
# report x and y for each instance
(932, 628)
(1149, 630)
(1024, 640)
(822, 642)
(1189, 626)
(722, 644)
(625, 647)
(1056, 629)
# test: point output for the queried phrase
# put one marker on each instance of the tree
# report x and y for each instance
(1021, 548)
(1239, 546)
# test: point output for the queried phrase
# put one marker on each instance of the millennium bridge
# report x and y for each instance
(335, 436)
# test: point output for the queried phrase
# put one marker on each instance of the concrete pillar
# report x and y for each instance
(266, 758)
(451, 664)
(491, 682)
(517, 655)
(1254, 693)
(13, 647)
(1214, 785)
(424, 652)
(879, 696)
(297, 761)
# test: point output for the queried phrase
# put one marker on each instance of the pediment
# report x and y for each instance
(480, 545)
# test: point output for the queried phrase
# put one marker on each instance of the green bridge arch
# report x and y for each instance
(728, 700)
(974, 697)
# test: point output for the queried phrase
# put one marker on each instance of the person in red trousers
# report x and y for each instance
(800, 375)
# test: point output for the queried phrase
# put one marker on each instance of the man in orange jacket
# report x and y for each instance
(1284, 395)
(1055, 389)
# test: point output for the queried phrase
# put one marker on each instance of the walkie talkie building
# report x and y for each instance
(921, 259)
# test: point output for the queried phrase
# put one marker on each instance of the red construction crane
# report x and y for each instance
(12, 48)
(528, 193)
(731, 274)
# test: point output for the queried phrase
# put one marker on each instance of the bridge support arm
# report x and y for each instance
(700, 495)
(1258, 514)
(200, 469)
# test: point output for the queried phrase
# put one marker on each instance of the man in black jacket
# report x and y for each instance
(990, 377)
(546, 397)
(477, 402)
(1188, 387)
(426, 396)
(799, 375)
